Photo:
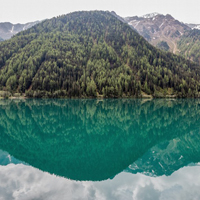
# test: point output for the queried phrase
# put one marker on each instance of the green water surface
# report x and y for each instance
(97, 139)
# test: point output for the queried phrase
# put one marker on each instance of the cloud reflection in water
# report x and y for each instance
(22, 182)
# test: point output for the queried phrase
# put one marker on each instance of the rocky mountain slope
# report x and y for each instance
(156, 28)
(7, 29)
(169, 34)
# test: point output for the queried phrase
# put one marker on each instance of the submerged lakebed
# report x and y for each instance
(100, 149)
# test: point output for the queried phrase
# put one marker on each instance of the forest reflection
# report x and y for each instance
(97, 139)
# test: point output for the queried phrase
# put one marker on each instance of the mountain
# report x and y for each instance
(169, 34)
(157, 28)
(1, 39)
(7, 29)
(91, 54)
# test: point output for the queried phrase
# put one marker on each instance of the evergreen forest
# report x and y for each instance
(92, 54)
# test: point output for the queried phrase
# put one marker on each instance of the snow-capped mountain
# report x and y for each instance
(197, 27)
(7, 29)
(157, 27)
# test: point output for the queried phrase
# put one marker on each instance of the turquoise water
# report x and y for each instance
(99, 149)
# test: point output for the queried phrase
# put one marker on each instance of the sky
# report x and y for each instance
(22, 11)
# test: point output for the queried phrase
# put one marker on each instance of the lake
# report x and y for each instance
(100, 149)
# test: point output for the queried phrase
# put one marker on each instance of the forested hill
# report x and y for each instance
(91, 54)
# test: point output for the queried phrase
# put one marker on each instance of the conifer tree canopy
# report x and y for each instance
(89, 54)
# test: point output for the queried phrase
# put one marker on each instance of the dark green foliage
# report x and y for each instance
(1, 39)
(163, 46)
(189, 45)
(90, 54)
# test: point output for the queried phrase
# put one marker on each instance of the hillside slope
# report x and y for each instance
(189, 45)
(90, 54)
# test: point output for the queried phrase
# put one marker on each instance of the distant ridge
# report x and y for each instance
(7, 29)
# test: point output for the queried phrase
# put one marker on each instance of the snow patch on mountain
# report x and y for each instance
(12, 29)
(151, 15)
(197, 27)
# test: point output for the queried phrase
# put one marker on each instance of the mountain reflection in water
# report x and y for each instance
(97, 139)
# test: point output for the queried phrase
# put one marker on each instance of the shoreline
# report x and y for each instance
(98, 98)
(143, 95)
